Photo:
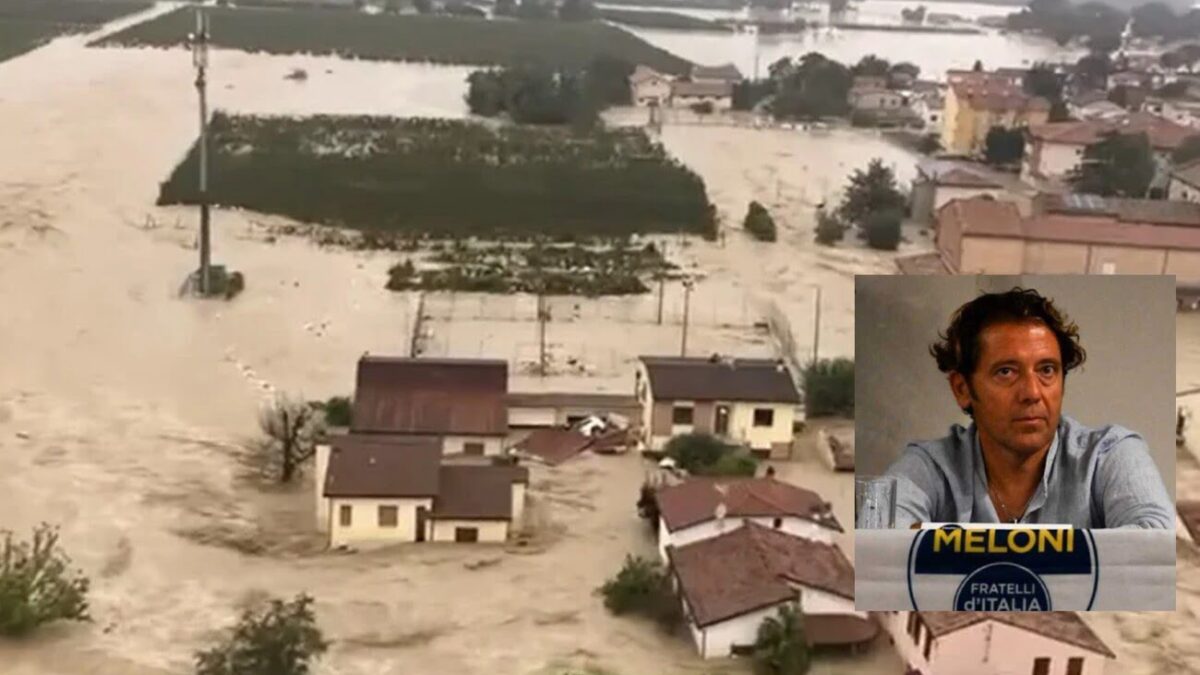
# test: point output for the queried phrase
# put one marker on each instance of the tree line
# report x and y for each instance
(533, 95)
(814, 86)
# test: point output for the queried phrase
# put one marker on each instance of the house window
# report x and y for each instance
(764, 417)
(1108, 268)
(466, 535)
(473, 448)
(345, 515)
(388, 516)
(681, 415)
(1075, 665)
(777, 523)
(1041, 666)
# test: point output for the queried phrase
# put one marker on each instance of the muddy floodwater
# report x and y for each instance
(123, 407)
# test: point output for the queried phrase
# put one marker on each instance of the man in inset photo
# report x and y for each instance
(1022, 460)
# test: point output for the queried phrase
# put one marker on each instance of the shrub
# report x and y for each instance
(37, 585)
(829, 388)
(883, 230)
(732, 464)
(280, 640)
(643, 587)
(780, 647)
(830, 228)
(759, 223)
(693, 452)
(338, 411)
(647, 505)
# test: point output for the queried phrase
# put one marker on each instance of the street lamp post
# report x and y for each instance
(688, 284)
(199, 42)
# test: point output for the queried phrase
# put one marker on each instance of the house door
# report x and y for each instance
(421, 519)
(721, 425)
(466, 535)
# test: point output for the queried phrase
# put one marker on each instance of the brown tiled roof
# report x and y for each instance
(752, 568)
(596, 402)
(1162, 133)
(725, 71)
(365, 466)
(701, 379)
(695, 501)
(839, 629)
(476, 492)
(1062, 626)
(1090, 230)
(997, 96)
(431, 396)
(922, 263)
(554, 446)
(1189, 513)
(958, 177)
(983, 216)
(1145, 211)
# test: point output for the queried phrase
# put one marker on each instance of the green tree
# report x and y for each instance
(1003, 146)
(813, 87)
(830, 228)
(695, 452)
(883, 230)
(1187, 151)
(871, 191)
(607, 80)
(1154, 19)
(339, 411)
(37, 584)
(781, 647)
(283, 639)
(1058, 112)
(1119, 165)
(1041, 80)
(829, 388)
(978, 67)
(647, 505)
(871, 65)
(1092, 71)
(1104, 43)
(759, 223)
(643, 587)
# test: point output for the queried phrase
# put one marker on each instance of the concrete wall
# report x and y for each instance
(991, 255)
(945, 193)
(1043, 257)
(490, 531)
(453, 445)
(707, 530)
(899, 389)
(1056, 160)
(717, 641)
(1126, 260)
(320, 468)
(1182, 192)
(364, 527)
(1185, 265)
(742, 429)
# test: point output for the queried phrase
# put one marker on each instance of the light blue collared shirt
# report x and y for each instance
(1094, 478)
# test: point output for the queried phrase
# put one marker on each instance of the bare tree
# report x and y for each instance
(292, 428)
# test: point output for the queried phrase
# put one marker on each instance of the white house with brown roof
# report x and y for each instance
(726, 73)
(730, 583)
(1071, 234)
(461, 402)
(376, 490)
(705, 507)
(751, 402)
(685, 94)
(940, 181)
(1055, 149)
(996, 643)
(649, 87)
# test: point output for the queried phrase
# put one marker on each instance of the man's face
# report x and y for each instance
(1017, 388)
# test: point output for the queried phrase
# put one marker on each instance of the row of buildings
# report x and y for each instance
(708, 85)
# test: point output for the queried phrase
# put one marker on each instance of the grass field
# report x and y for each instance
(28, 24)
(437, 39)
(669, 20)
(447, 178)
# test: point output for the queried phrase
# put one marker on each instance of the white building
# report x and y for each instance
(1185, 183)
(729, 584)
(939, 182)
(996, 643)
(649, 87)
(751, 402)
(704, 507)
(719, 95)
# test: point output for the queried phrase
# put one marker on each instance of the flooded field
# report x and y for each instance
(122, 407)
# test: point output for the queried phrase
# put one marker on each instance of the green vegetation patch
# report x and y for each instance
(389, 37)
(29, 24)
(447, 178)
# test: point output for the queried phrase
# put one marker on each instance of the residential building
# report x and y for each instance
(686, 94)
(928, 103)
(940, 181)
(374, 490)
(705, 507)
(876, 99)
(1185, 183)
(978, 101)
(649, 87)
(1184, 111)
(869, 82)
(730, 583)
(1055, 149)
(1071, 234)
(1128, 78)
(558, 409)
(996, 643)
(460, 402)
(751, 402)
(726, 73)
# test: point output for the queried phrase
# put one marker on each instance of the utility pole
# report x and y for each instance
(816, 324)
(199, 41)
(543, 317)
(688, 283)
(662, 283)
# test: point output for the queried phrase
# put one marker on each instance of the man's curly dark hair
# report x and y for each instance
(957, 349)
